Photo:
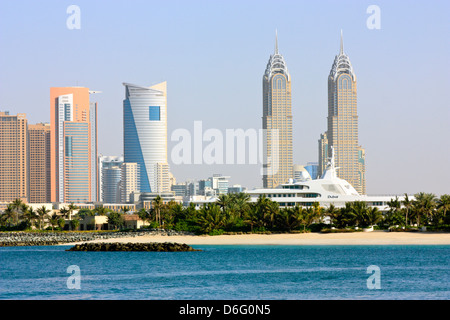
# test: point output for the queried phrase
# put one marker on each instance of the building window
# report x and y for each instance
(154, 113)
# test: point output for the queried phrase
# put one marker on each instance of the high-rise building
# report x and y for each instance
(342, 130)
(39, 163)
(323, 154)
(277, 122)
(362, 168)
(205, 186)
(220, 183)
(13, 157)
(145, 134)
(300, 173)
(111, 178)
(312, 168)
(105, 163)
(180, 189)
(129, 180)
(73, 139)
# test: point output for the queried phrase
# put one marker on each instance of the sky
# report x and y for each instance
(213, 54)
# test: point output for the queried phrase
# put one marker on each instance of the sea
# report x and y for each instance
(228, 272)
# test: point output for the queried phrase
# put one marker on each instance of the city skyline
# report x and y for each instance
(400, 136)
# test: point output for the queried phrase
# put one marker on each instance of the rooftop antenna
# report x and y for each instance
(276, 41)
(342, 43)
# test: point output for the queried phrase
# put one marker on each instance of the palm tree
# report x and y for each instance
(42, 213)
(211, 218)
(307, 217)
(331, 212)
(9, 214)
(101, 211)
(408, 204)
(61, 223)
(71, 208)
(64, 212)
(223, 201)
(30, 215)
(424, 204)
(443, 204)
(75, 223)
(54, 220)
(157, 205)
(318, 211)
(290, 218)
(359, 209)
(251, 216)
(394, 216)
(373, 216)
(17, 205)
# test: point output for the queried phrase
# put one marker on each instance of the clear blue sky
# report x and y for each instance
(213, 54)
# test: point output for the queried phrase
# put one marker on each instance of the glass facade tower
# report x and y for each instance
(145, 134)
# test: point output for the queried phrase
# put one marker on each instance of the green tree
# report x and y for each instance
(424, 205)
(373, 216)
(82, 213)
(116, 219)
(9, 215)
(61, 223)
(72, 207)
(143, 214)
(101, 211)
(74, 223)
(408, 205)
(211, 218)
(308, 216)
(290, 219)
(30, 215)
(17, 206)
(443, 204)
(224, 201)
(331, 212)
(157, 206)
(42, 213)
(394, 216)
(64, 212)
(54, 220)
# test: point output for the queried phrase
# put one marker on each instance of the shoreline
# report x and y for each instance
(356, 238)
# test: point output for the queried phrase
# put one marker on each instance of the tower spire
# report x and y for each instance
(342, 43)
(276, 41)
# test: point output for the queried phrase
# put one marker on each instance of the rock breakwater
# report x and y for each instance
(22, 238)
(152, 246)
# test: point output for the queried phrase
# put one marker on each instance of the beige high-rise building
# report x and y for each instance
(342, 131)
(13, 157)
(277, 122)
(129, 180)
(39, 163)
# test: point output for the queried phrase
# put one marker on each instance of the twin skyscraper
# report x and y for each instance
(342, 129)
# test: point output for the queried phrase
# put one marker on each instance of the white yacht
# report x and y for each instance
(327, 190)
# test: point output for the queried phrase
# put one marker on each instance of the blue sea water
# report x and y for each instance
(227, 272)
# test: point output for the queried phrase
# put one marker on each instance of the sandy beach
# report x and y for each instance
(356, 238)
